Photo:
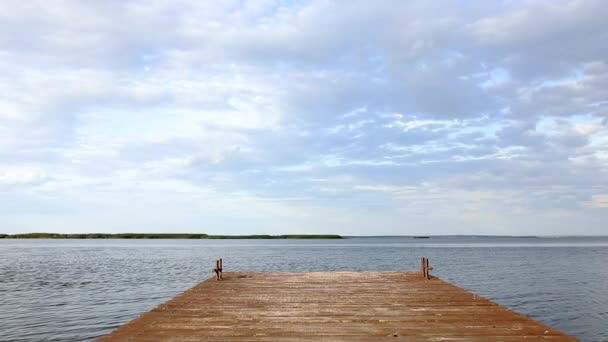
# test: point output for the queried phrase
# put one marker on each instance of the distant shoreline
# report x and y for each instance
(163, 236)
(200, 236)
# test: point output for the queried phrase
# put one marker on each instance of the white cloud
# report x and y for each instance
(252, 103)
(599, 201)
(21, 175)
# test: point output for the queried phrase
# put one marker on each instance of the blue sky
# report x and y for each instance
(356, 118)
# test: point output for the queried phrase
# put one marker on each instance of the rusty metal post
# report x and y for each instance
(422, 266)
(425, 268)
(217, 269)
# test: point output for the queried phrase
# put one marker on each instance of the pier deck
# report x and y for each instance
(330, 306)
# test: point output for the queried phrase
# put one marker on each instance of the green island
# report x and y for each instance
(161, 236)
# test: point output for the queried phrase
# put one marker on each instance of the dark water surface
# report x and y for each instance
(77, 290)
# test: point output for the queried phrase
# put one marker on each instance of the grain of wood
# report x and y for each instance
(331, 306)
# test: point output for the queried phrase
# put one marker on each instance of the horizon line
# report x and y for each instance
(333, 234)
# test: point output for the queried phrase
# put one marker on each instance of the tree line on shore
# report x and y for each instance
(161, 236)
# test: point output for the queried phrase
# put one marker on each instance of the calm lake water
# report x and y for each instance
(77, 290)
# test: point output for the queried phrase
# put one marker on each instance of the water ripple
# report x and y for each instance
(79, 290)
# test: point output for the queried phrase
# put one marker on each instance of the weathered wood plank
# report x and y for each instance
(333, 306)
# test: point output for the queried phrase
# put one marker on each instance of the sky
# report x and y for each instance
(275, 117)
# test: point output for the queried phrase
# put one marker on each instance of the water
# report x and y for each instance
(77, 290)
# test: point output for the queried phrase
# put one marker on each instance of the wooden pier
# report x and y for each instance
(332, 306)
